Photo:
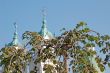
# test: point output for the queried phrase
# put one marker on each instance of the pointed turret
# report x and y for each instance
(44, 31)
(15, 41)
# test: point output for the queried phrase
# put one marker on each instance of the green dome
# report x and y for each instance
(15, 41)
(44, 31)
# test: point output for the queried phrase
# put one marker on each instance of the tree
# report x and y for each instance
(71, 51)
(73, 47)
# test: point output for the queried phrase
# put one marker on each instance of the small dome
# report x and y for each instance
(44, 31)
(15, 41)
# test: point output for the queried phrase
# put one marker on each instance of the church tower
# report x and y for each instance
(46, 35)
(14, 45)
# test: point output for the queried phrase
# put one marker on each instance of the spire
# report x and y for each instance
(44, 19)
(44, 31)
(15, 37)
(15, 33)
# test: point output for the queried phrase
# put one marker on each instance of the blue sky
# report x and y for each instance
(60, 13)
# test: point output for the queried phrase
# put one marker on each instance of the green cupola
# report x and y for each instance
(44, 31)
(15, 41)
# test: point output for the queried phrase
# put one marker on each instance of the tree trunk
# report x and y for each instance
(65, 62)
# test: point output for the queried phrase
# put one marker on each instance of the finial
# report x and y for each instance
(44, 13)
(44, 18)
(15, 26)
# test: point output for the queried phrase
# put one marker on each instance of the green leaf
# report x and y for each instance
(102, 68)
(108, 64)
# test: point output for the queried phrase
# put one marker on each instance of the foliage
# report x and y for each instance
(73, 45)
(71, 51)
(14, 60)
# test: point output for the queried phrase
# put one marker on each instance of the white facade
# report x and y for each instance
(93, 61)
